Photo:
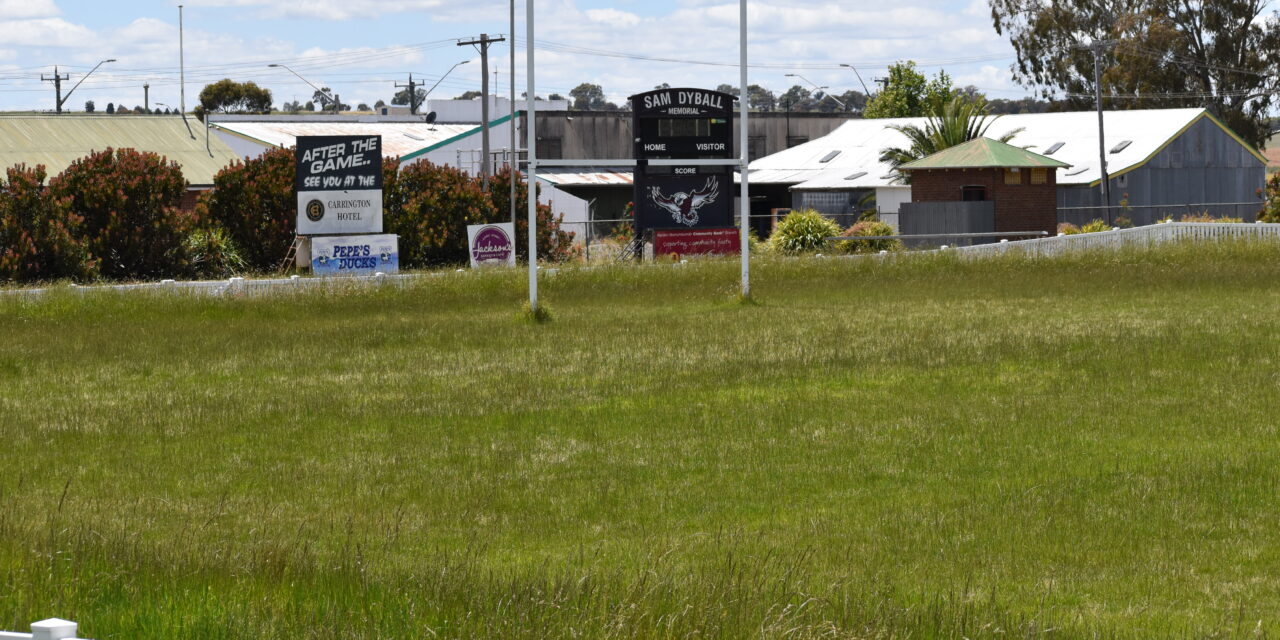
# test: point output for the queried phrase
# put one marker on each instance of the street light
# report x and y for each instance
(446, 75)
(63, 100)
(161, 104)
(336, 105)
(855, 72)
(815, 86)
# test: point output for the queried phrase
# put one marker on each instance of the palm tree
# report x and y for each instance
(958, 121)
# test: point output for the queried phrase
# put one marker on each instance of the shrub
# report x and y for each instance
(1094, 226)
(869, 228)
(1123, 222)
(1205, 216)
(1271, 203)
(214, 254)
(554, 244)
(40, 238)
(802, 232)
(1068, 229)
(129, 203)
(252, 203)
(433, 205)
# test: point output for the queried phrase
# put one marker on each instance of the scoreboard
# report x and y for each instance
(683, 124)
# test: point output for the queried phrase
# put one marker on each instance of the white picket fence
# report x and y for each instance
(1146, 236)
(51, 629)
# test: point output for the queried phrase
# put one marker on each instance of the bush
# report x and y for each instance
(1068, 229)
(1094, 226)
(129, 204)
(1271, 204)
(869, 228)
(433, 205)
(1205, 216)
(214, 254)
(802, 232)
(253, 204)
(40, 238)
(554, 244)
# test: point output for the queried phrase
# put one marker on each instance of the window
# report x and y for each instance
(549, 148)
(1012, 176)
(684, 127)
(830, 156)
(756, 147)
(1039, 176)
(1054, 149)
(793, 141)
(973, 193)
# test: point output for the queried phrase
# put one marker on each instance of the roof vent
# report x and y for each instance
(410, 135)
(1053, 149)
(830, 156)
(1124, 144)
(1077, 171)
(890, 176)
(856, 175)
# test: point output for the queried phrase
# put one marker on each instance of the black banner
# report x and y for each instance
(685, 202)
(338, 163)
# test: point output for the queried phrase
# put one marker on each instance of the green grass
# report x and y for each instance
(913, 448)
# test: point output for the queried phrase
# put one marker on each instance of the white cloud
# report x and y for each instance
(43, 32)
(613, 18)
(325, 9)
(18, 9)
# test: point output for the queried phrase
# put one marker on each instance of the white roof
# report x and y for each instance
(859, 143)
(588, 178)
(399, 139)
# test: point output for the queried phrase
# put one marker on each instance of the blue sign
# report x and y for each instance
(354, 255)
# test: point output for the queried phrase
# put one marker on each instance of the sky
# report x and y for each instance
(362, 48)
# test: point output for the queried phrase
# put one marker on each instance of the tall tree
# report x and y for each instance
(229, 96)
(908, 93)
(588, 97)
(960, 120)
(1216, 54)
(402, 96)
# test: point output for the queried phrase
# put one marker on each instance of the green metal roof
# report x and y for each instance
(56, 141)
(983, 153)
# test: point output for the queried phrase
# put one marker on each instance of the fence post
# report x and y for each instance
(53, 629)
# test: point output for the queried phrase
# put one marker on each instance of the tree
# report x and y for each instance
(402, 96)
(588, 97)
(229, 96)
(291, 107)
(253, 203)
(469, 95)
(555, 96)
(909, 94)
(111, 107)
(309, 106)
(1158, 54)
(363, 107)
(40, 237)
(797, 98)
(89, 106)
(379, 104)
(959, 120)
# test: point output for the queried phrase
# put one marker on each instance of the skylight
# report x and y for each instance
(1124, 144)
(410, 135)
(1051, 150)
(1077, 171)
(856, 175)
(830, 156)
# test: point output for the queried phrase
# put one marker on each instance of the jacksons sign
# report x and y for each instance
(339, 184)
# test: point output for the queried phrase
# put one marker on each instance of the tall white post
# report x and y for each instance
(532, 149)
(745, 200)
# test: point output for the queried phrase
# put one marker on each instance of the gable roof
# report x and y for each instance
(56, 141)
(983, 153)
(404, 140)
(861, 141)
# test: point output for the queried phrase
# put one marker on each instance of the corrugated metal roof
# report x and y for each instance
(56, 141)
(861, 142)
(984, 153)
(588, 178)
(399, 139)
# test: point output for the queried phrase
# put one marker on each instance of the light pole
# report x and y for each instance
(161, 104)
(815, 86)
(446, 75)
(855, 72)
(336, 105)
(63, 99)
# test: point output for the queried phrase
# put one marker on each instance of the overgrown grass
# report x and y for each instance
(909, 447)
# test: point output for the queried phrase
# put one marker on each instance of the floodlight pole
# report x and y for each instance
(744, 199)
(532, 148)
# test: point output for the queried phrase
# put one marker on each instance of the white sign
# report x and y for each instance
(339, 184)
(492, 244)
(355, 255)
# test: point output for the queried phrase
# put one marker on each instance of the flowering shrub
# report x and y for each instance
(802, 231)
(1271, 203)
(869, 228)
(128, 201)
(1205, 216)
(253, 204)
(40, 237)
(554, 244)
(1068, 229)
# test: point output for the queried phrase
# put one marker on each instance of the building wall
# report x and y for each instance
(1203, 165)
(1020, 207)
(607, 134)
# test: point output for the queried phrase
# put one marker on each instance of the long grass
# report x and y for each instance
(902, 448)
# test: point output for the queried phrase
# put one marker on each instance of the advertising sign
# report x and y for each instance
(339, 184)
(492, 244)
(694, 242)
(685, 201)
(355, 255)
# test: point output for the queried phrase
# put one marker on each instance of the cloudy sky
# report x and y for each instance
(361, 48)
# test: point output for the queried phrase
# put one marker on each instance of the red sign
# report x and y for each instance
(692, 242)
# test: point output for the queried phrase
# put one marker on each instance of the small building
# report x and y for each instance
(56, 141)
(982, 185)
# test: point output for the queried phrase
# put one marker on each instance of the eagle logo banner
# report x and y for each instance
(684, 206)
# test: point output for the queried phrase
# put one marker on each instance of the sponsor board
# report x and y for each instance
(355, 255)
(339, 184)
(492, 244)
(694, 242)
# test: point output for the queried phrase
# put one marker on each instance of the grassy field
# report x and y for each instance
(916, 448)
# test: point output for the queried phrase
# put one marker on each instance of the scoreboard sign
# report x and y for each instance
(339, 184)
(693, 124)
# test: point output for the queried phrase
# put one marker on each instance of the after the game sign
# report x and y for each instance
(339, 184)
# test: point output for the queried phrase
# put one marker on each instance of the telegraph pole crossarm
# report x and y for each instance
(413, 96)
(483, 43)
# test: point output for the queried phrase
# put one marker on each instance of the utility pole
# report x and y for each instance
(483, 44)
(146, 97)
(513, 157)
(57, 86)
(1096, 48)
(413, 95)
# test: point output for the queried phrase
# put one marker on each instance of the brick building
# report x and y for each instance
(1021, 186)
